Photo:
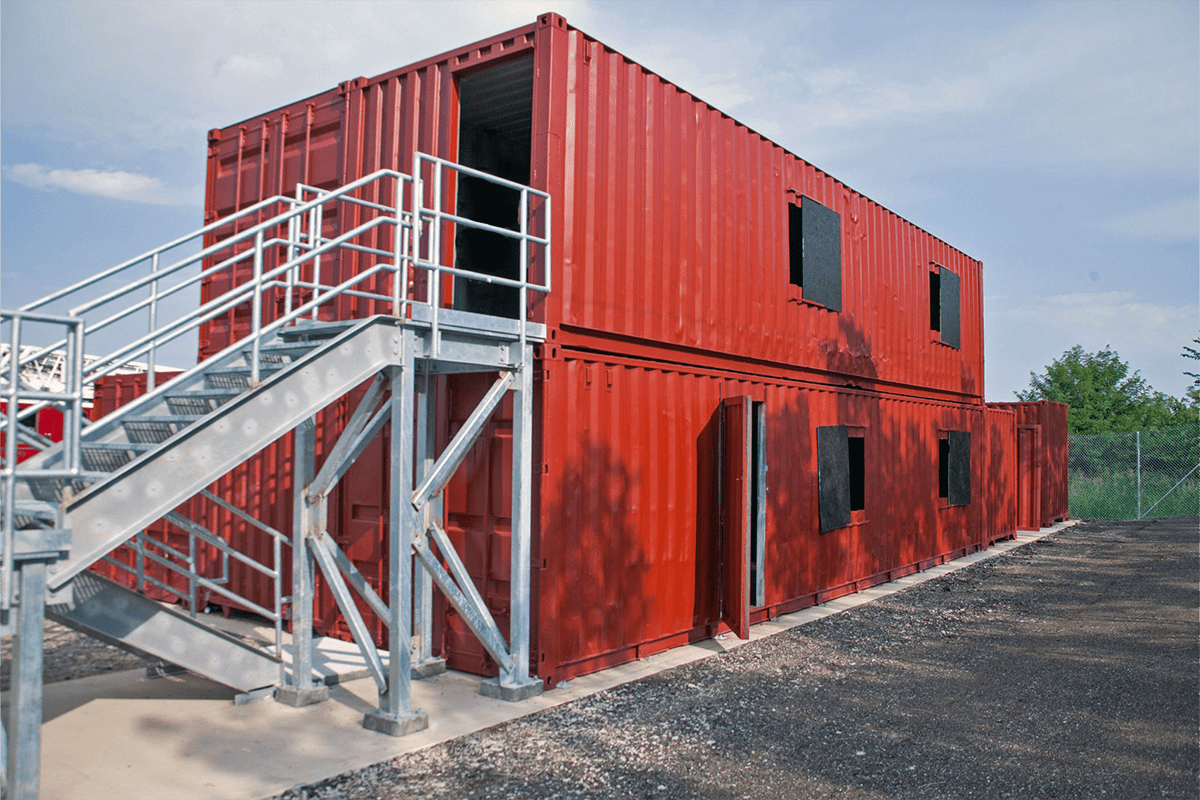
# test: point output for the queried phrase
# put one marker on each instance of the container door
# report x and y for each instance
(1029, 480)
(736, 509)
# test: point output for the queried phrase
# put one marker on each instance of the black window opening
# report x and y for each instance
(841, 475)
(815, 252)
(944, 316)
(954, 468)
(495, 135)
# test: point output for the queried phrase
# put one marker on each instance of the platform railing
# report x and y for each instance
(149, 556)
(286, 255)
(18, 395)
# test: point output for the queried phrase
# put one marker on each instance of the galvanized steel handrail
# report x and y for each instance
(410, 215)
(14, 394)
(437, 217)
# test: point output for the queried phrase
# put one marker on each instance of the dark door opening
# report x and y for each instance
(495, 135)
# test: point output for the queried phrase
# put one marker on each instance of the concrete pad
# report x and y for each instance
(125, 735)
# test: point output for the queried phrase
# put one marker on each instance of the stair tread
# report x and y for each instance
(164, 418)
(118, 445)
(200, 394)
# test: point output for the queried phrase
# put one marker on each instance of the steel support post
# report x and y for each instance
(301, 689)
(24, 723)
(396, 716)
(515, 682)
(423, 662)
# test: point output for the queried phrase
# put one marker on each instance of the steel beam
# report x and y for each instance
(301, 689)
(396, 716)
(342, 455)
(515, 682)
(469, 607)
(24, 724)
(322, 546)
(423, 662)
(359, 583)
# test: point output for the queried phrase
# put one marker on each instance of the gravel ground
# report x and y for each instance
(1069, 668)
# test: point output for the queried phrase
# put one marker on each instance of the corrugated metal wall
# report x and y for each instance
(675, 231)
(631, 497)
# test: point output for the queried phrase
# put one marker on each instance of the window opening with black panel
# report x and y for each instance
(495, 135)
(944, 309)
(841, 476)
(815, 252)
(954, 467)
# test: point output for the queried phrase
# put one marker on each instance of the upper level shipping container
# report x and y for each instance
(680, 234)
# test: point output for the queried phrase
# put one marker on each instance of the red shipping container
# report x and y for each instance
(1043, 433)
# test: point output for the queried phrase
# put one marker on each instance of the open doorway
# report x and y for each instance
(495, 135)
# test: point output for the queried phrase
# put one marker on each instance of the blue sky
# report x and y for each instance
(1057, 142)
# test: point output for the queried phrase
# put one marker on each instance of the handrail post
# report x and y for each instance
(150, 357)
(294, 225)
(435, 259)
(315, 234)
(400, 276)
(10, 460)
(523, 215)
(256, 321)
(417, 194)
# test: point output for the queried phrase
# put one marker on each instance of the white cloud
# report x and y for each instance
(1179, 219)
(114, 184)
(1024, 334)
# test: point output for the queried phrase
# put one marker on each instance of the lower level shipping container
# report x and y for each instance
(671, 503)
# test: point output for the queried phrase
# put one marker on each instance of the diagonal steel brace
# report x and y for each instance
(462, 593)
(343, 452)
(454, 454)
(322, 547)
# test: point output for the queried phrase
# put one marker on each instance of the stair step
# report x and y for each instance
(286, 349)
(166, 419)
(206, 394)
(200, 401)
(315, 331)
(238, 377)
(50, 489)
(139, 447)
(34, 513)
(155, 430)
(111, 456)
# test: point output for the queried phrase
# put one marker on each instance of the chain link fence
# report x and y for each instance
(1135, 475)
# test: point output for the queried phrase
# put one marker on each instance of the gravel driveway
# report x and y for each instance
(1069, 668)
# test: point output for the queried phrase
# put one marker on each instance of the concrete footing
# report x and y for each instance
(299, 697)
(510, 694)
(401, 725)
(429, 668)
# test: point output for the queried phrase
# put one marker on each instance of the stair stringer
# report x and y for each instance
(106, 514)
(133, 622)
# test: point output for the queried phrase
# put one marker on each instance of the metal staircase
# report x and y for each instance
(309, 342)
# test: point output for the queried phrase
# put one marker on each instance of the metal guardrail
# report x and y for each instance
(146, 550)
(298, 233)
(17, 395)
(282, 242)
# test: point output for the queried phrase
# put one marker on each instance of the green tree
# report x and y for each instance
(1193, 392)
(1102, 395)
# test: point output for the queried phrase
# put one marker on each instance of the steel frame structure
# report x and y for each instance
(244, 397)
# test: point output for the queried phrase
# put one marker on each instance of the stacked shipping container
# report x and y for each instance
(707, 282)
